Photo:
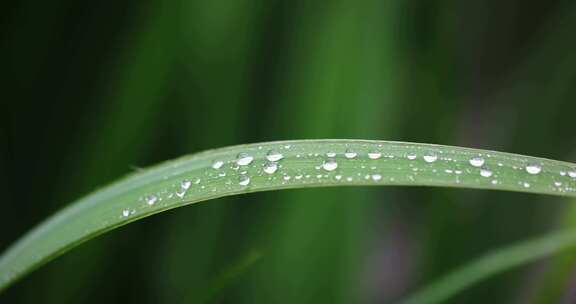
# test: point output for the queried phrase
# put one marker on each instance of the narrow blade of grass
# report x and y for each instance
(497, 262)
(274, 166)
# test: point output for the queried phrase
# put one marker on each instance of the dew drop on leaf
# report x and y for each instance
(244, 180)
(350, 154)
(244, 159)
(477, 161)
(217, 164)
(151, 200)
(374, 155)
(485, 172)
(185, 184)
(330, 165)
(270, 167)
(430, 157)
(533, 169)
(274, 156)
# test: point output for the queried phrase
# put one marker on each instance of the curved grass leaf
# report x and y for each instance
(499, 261)
(279, 165)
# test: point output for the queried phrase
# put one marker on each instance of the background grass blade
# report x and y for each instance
(280, 165)
(499, 261)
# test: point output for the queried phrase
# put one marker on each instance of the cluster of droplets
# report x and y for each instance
(461, 170)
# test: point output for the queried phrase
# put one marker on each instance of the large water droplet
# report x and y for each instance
(217, 164)
(477, 161)
(485, 172)
(244, 180)
(274, 156)
(430, 157)
(330, 165)
(572, 173)
(244, 159)
(374, 155)
(533, 169)
(350, 154)
(270, 167)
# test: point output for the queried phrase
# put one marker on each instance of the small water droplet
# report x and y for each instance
(526, 185)
(533, 169)
(185, 184)
(430, 157)
(411, 156)
(494, 182)
(331, 154)
(270, 167)
(125, 212)
(374, 155)
(244, 159)
(338, 177)
(244, 180)
(572, 173)
(330, 165)
(557, 184)
(151, 200)
(274, 156)
(484, 172)
(350, 154)
(376, 177)
(217, 164)
(286, 177)
(477, 161)
(181, 193)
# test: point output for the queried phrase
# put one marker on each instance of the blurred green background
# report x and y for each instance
(95, 89)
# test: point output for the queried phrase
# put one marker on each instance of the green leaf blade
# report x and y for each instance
(304, 163)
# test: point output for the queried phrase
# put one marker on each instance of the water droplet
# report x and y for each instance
(533, 169)
(430, 157)
(330, 165)
(331, 154)
(185, 184)
(557, 184)
(477, 161)
(181, 193)
(244, 159)
(338, 177)
(151, 200)
(350, 154)
(374, 155)
(217, 164)
(270, 167)
(572, 173)
(526, 185)
(411, 156)
(485, 172)
(494, 182)
(274, 156)
(286, 177)
(376, 177)
(125, 212)
(244, 180)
